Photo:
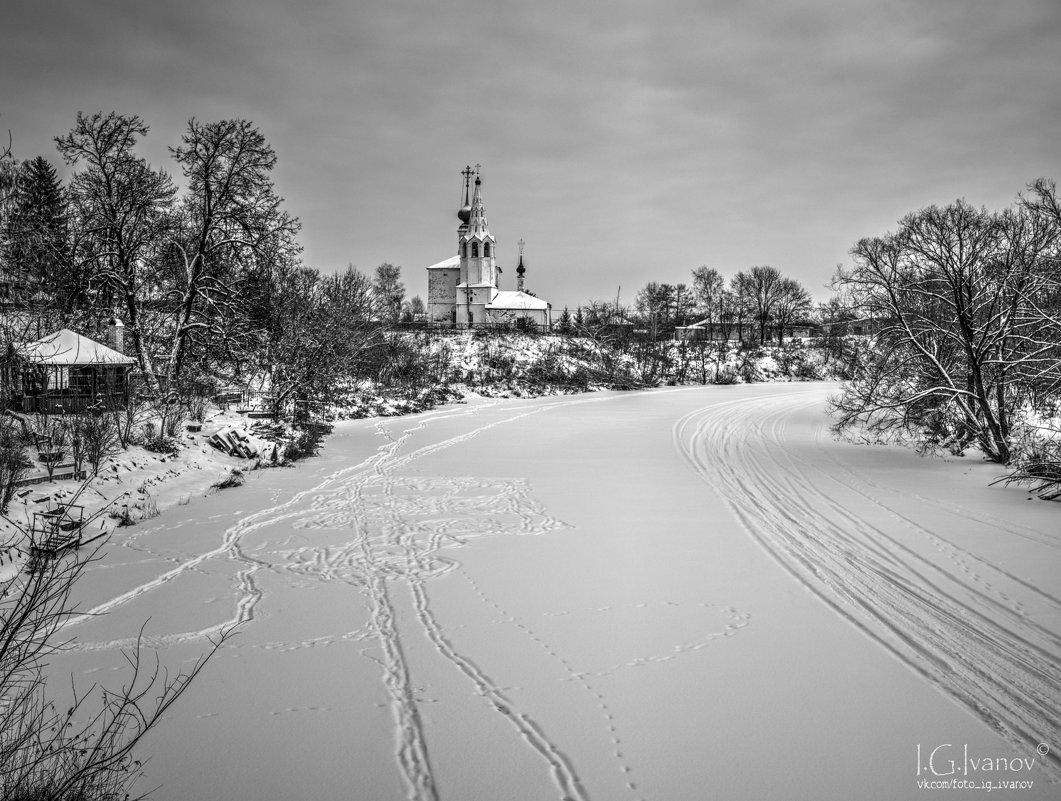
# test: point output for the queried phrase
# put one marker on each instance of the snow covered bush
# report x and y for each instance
(94, 437)
(747, 366)
(798, 363)
(304, 442)
(233, 479)
(554, 368)
(1037, 463)
(167, 446)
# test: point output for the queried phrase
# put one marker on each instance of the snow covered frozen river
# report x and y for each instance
(676, 594)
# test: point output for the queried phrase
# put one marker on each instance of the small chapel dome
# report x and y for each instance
(465, 213)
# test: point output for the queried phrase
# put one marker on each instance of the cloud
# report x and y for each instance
(625, 142)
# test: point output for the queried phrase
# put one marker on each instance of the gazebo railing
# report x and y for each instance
(68, 403)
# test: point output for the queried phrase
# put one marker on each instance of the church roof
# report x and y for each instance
(516, 300)
(452, 261)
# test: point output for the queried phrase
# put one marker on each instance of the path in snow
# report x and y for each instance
(541, 591)
(962, 622)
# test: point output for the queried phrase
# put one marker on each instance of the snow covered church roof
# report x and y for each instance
(452, 261)
(516, 300)
(67, 348)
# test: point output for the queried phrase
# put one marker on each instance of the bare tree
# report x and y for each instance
(708, 287)
(82, 748)
(316, 330)
(792, 303)
(14, 464)
(652, 303)
(1042, 300)
(759, 288)
(599, 313)
(120, 208)
(389, 291)
(231, 217)
(9, 186)
(955, 292)
(413, 309)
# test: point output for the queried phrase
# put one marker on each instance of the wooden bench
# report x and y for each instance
(55, 530)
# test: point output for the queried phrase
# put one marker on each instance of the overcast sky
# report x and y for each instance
(625, 142)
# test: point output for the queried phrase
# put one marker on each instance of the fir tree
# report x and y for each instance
(564, 324)
(36, 249)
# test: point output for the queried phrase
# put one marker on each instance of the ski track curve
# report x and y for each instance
(967, 635)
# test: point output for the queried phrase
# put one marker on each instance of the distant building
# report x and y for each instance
(463, 290)
(713, 331)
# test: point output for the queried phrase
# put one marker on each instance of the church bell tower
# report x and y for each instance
(478, 266)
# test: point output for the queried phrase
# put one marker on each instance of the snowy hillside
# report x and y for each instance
(441, 368)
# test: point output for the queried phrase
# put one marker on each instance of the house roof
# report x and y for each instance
(516, 300)
(697, 324)
(67, 348)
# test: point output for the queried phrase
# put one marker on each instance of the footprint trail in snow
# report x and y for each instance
(384, 534)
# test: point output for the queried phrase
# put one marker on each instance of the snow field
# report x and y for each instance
(674, 594)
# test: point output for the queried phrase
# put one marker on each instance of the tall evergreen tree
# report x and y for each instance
(37, 250)
(565, 325)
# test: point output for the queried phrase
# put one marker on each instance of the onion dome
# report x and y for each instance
(465, 212)
(520, 270)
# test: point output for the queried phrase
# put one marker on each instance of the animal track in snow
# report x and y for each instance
(584, 677)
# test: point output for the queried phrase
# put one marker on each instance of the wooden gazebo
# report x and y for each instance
(66, 373)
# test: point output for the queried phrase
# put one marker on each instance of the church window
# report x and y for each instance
(464, 250)
(486, 249)
(475, 250)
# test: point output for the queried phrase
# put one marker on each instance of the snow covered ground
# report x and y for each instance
(674, 594)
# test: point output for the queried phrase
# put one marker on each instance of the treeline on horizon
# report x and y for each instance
(209, 282)
(757, 304)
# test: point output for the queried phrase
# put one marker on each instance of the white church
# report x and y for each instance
(462, 291)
